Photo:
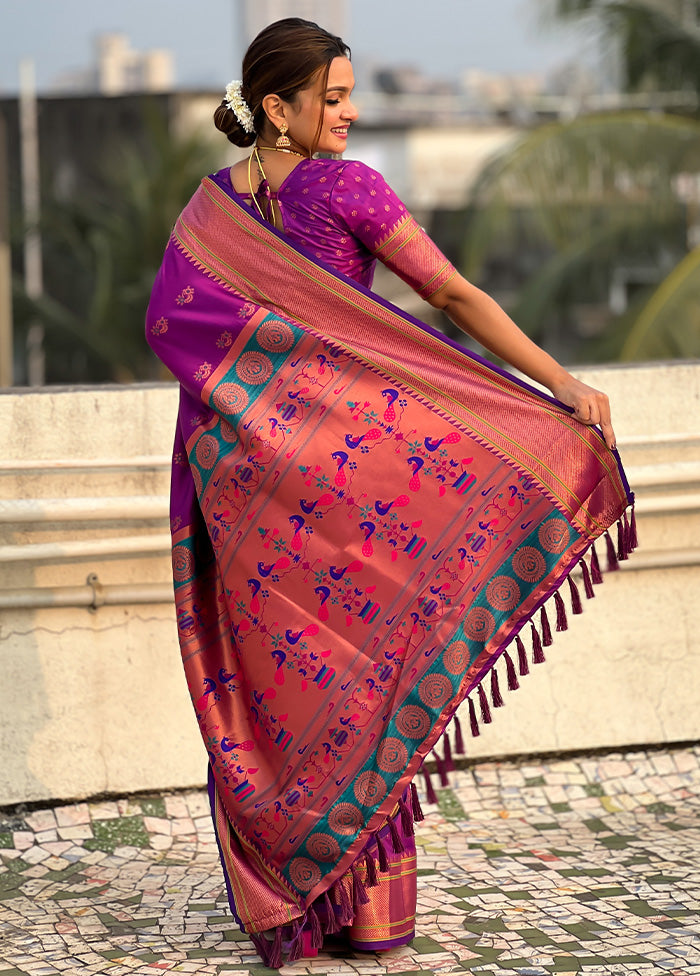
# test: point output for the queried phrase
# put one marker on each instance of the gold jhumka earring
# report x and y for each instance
(283, 139)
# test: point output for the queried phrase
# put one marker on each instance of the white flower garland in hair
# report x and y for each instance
(238, 105)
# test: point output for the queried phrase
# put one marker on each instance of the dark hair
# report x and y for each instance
(282, 60)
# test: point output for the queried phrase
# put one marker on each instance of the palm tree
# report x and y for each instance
(656, 41)
(597, 194)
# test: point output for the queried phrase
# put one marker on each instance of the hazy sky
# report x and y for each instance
(443, 37)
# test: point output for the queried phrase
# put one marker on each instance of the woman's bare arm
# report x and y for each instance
(477, 314)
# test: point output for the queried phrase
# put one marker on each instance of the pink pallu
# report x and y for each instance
(364, 517)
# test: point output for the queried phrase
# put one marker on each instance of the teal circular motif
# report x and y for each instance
(254, 367)
(503, 593)
(529, 564)
(456, 657)
(304, 873)
(229, 398)
(323, 847)
(228, 433)
(392, 755)
(183, 564)
(479, 624)
(413, 722)
(435, 690)
(345, 819)
(370, 788)
(207, 451)
(275, 336)
(553, 535)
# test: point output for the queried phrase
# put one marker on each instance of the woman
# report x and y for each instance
(364, 516)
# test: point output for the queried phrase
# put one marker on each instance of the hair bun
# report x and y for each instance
(225, 121)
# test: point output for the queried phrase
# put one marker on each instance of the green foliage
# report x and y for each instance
(658, 41)
(602, 192)
(101, 253)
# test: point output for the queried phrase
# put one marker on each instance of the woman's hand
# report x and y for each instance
(590, 405)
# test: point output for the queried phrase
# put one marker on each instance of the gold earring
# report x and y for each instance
(283, 140)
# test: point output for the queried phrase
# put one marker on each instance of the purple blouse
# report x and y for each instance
(346, 215)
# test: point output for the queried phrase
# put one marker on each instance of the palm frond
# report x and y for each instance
(564, 172)
(669, 324)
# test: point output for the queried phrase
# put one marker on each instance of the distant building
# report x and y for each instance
(256, 14)
(119, 70)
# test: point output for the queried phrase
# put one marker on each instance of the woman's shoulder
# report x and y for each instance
(328, 169)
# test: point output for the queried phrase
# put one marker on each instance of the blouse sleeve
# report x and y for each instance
(375, 216)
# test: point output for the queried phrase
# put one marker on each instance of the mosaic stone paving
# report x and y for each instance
(588, 865)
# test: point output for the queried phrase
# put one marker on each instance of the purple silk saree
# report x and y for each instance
(364, 518)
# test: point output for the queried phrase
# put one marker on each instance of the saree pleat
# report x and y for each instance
(364, 517)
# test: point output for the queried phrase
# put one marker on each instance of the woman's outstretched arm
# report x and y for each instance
(477, 314)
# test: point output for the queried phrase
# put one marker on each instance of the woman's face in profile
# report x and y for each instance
(338, 111)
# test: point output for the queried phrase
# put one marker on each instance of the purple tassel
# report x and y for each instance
(537, 652)
(275, 950)
(587, 581)
(626, 534)
(621, 550)
(296, 948)
(371, 869)
(546, 629)
(634, 542)
(382, 859)
(562, 623)
(396, 841)
(406, 818)
(523, 665)
(612, 557)
(415, 804)
(346, 912)
(596, 575)
(359, 895)
(484, 705)
(575, 596)
(449, 762)
(459, 741)
(430, 795)
(495, 690)
(315, 924)
(332, 925)
(472, 719)
(441, 770)
(512, 676)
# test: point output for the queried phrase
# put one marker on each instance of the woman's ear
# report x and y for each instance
(273, 106)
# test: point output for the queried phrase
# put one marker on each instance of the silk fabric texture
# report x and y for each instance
(364, 517)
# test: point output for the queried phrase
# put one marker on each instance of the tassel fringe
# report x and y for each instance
(523, 666)
(396, 842)
(596, 574)
(562, 623)
(371, 870)
(513, 683)
(484, 706)
(547, 639)
(496, 697)
(587, 581)
(415, 804)
(459, 741)
(537, 652)
(474, 725)
(430, 795)
(612, 555)
(576, 606)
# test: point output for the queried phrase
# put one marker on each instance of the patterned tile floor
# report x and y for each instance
(587, 865)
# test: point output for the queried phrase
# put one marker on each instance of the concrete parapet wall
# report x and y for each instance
(94, 699)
